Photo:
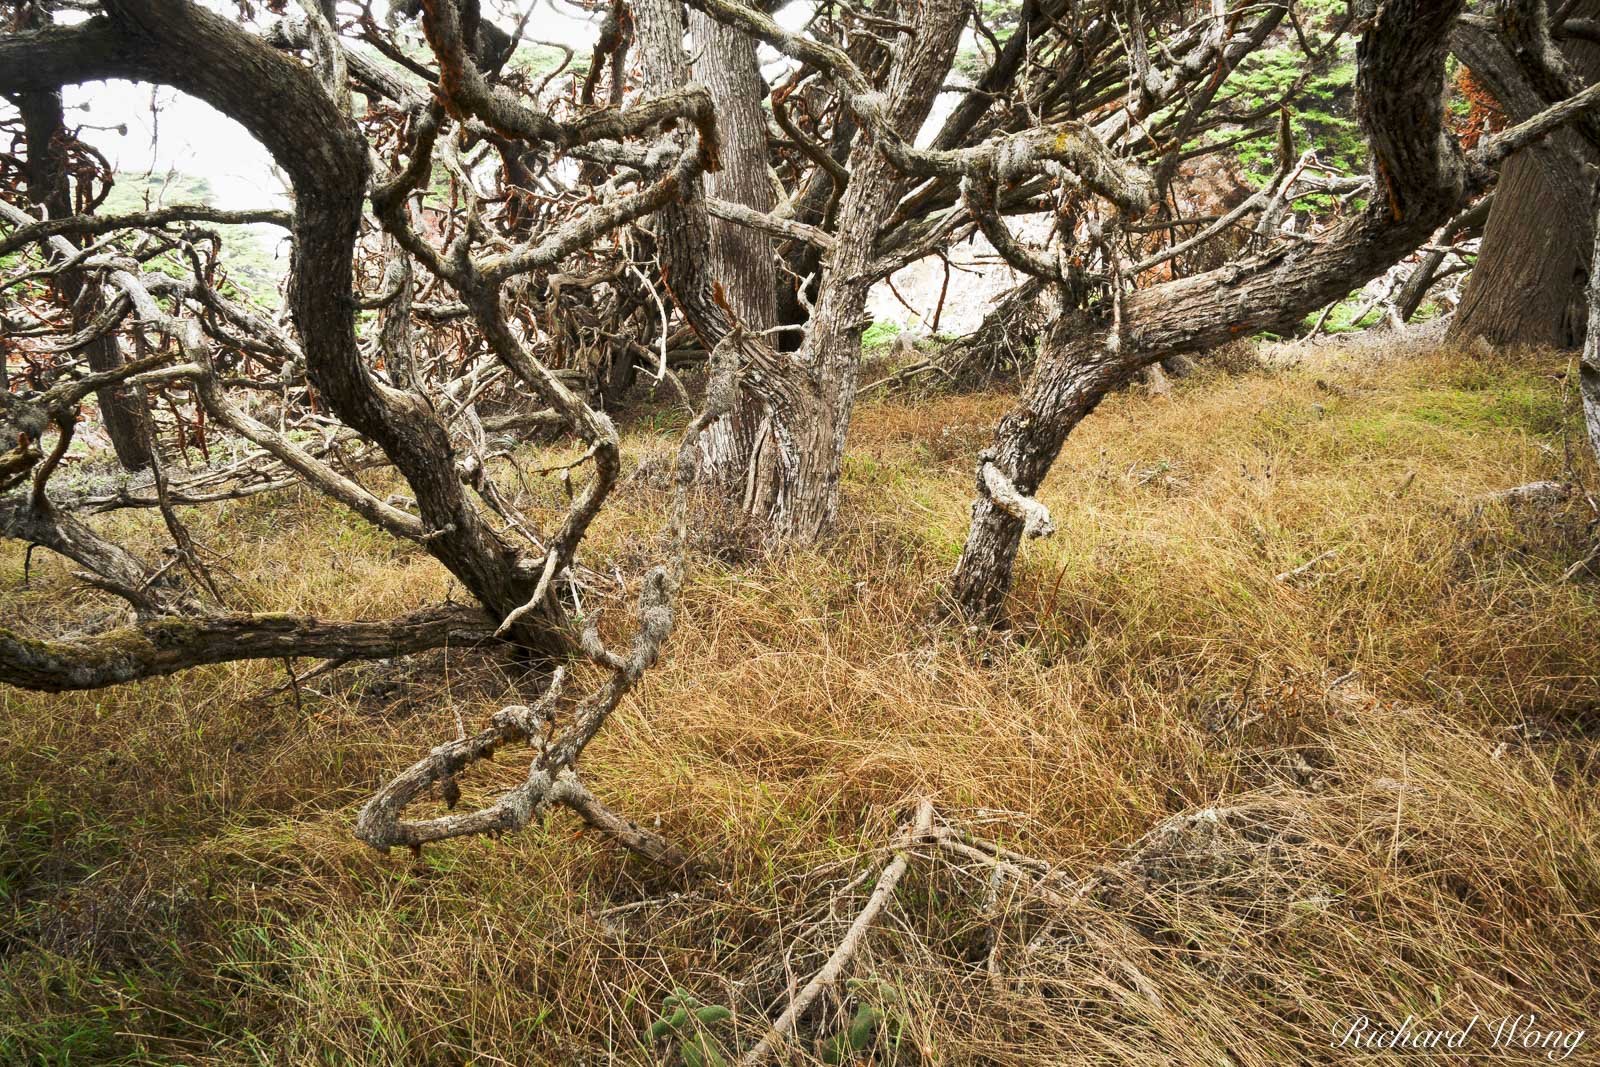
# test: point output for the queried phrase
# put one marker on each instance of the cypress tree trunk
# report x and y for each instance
(740, 258)
(1528, 284)
(1589, 367)
(798, 495)
(1084, 356)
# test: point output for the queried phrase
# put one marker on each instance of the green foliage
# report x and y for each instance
(538, 60)
(879, 335)
(687, 1020)
(1342, 319)
(1001, 17)
(871, 1028)
(1321, 111)
(860, 1036)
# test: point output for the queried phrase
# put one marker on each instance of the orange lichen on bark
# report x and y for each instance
(1388, 186)
(1483, 113)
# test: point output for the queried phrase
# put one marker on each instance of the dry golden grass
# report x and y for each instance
(180, 883)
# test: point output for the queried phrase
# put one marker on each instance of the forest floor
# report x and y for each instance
(1387, 763)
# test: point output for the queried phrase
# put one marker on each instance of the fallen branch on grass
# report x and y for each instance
(380, 825)
(919, 830)
(1306, 567)
(551, 778)
(1220, 846)
(1531, 493)
(1589, 564)
(905, 374)
(168, 645)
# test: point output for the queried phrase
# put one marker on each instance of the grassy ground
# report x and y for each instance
(178, 881)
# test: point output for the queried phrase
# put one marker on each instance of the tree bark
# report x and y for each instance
(50, 528)
(739, 258)
(166, 646)
(802, 492)
(1074, 373)
(810, 393)
(1589, 364)
(1527, 287)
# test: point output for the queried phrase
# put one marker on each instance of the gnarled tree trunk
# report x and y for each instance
(802, 492)
(793, 488)
(1420, 179)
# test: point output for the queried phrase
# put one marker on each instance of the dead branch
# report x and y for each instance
(168, 645)
(919, 830)
(1305, 568)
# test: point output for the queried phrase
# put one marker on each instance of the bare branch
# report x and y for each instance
(920, 830)
(95, 225)
(168, 645)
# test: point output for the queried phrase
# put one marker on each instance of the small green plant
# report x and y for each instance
(879, 335)
(686, 1020)
(870, 1028)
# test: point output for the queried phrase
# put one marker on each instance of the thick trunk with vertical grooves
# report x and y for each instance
(804, 493)
(1527, 287)
(740, 258)
(683, 228)
(1589, 363)
(122, 409)
(794, 491)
